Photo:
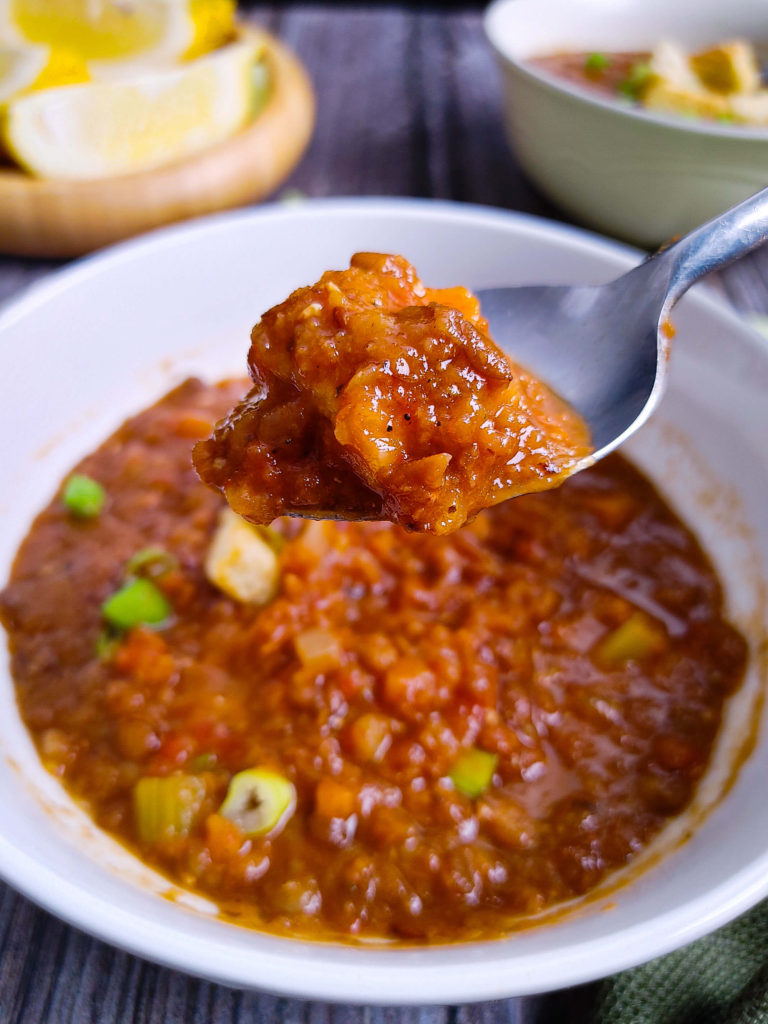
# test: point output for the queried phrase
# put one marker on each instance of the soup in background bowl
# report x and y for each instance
(643, 175)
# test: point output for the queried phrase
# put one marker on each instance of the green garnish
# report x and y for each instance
(151, 561)
(473, 772)
(259, 801)
(596, 63)
(136, 603)
(204, 763)
(107, 643)
(633, 640)
(636, 81)
(165, 807)
(83, 496)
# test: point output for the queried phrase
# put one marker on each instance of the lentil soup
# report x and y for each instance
(401, 736)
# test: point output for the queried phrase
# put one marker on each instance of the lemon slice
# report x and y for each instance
(23, 69)
(19, 68)
(107, 128)
(114, 33)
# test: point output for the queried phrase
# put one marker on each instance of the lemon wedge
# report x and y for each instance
(118, 35)
(102, 129)
(23, 69)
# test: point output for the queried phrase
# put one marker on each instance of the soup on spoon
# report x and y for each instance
(375, 397)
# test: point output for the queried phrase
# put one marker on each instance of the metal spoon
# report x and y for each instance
(604, 349)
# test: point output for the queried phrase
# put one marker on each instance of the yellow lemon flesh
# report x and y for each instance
(108, 128)
(110, 33)
(23, 69)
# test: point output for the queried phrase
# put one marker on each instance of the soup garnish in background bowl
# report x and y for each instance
(633, 173)
(168, 315)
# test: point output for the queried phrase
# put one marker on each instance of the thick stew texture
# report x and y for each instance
(356, 731)
(377, 398)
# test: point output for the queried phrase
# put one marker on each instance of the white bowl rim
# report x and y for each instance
(344, 973)
(555, 84)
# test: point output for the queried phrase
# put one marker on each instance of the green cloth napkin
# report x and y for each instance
(721, 979)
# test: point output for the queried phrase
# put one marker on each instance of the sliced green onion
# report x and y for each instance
(259, 801)
(596, 62)
(137, 603)
(637, 79)
(83, 496)
(151, 561)
(165, 807)
(107, 643)
(473, 772)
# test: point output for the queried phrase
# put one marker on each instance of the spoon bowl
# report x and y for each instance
(606, 349)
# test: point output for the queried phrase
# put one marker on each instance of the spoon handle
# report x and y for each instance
(715, 244)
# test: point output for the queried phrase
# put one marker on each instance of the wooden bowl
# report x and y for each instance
(50, 218)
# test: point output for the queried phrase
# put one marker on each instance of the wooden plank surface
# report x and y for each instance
(408, 104)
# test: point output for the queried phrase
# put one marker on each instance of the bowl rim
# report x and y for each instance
(330, 971)
(554, 84)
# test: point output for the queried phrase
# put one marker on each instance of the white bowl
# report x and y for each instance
(637, 175)
(104, 338)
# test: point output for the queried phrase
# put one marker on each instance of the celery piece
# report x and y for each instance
(259, 801)
(633, 640)
(473, 772)
(166, 807)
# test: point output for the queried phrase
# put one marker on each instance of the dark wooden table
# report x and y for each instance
(408, 104)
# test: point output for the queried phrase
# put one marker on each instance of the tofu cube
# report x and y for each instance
(671, 67)
(241, 562)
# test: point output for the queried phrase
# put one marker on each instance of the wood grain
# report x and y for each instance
(408, 104)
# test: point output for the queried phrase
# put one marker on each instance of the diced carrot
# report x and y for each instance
(411, 685)
(334, 799)
(370, 736)
(193, 427)
(223, 837)
(144, 655)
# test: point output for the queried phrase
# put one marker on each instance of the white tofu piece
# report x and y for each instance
(240, 562)
(671, 66)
